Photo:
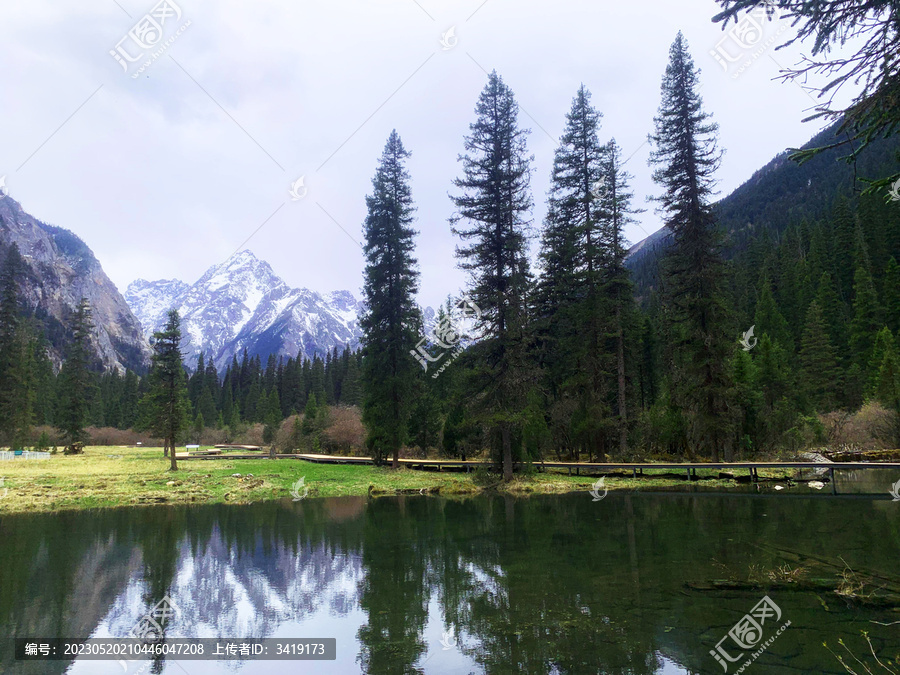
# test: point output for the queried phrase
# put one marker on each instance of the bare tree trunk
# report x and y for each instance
(620, 355)
(174, 466)
(507, 452)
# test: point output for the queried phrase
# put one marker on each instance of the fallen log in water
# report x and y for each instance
(874, 599)
(888, 583)
(735, 585)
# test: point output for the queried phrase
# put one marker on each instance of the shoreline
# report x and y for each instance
(112, 477)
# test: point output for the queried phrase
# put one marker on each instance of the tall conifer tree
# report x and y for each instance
(391, 282)
(686, 155)
(77, 386)
(492, 220)
(616, 197)
(166, 404)
(572, 313)
(819, 373)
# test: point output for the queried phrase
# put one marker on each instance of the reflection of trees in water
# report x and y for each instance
(539, 585)
(393, 591)
(525, 582)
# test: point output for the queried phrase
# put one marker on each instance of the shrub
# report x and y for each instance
(252, 435)
(872, 427)
(43, 442)
(112, 436)
(288, 438)
(346, 430)
(43, 437)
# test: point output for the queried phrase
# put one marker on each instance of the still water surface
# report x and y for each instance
(494, 584)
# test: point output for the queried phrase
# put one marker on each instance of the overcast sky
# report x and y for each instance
(169, 172)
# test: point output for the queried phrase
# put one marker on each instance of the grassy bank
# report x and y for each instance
(111, 476)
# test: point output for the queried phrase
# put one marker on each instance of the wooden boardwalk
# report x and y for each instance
(587, 468)
(599, 467)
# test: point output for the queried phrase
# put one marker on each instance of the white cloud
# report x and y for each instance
(160, 182)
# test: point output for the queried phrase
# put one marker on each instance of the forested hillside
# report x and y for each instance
(782, 193)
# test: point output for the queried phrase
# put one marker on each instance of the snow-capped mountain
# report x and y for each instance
(242, 303)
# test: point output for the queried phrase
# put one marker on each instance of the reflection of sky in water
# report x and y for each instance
(336, 614)
(539, 585)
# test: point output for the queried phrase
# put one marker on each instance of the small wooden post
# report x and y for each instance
(689, 474)
(634, 472)
(833, 484)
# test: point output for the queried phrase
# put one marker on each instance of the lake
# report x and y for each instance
(493, 584)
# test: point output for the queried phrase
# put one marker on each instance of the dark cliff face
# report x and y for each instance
(60, 269)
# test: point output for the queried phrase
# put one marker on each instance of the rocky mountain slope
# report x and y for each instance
(241, 303)
(60, 269)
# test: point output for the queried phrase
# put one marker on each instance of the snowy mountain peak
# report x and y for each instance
(241, 303)
(150, 300)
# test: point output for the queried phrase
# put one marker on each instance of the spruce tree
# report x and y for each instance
(351, 392)
(206, 406)
(317, 377)
(425, 420)
(819, 372)
(834, 315)
(819, 255)
(887, 391)
(865, 323)
(77, 387)
(227, 406)
(768, 318)
(570, 317)
(493, 206)
(843, 233)
(391, 282)
(774, 378)
(16, 356)
(891, 295)
(197, 381)
(199, 426)
(883, 345)
(45, 383)
(21, 381)
(686, 156)
(271, 417)
(251, 402)
(166, 405)
(747, 398)
(212, 378)
(615, 197)
(129, 399)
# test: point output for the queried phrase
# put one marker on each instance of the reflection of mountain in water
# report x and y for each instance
(539, 585)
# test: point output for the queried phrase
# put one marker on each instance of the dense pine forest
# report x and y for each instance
(760, 324)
